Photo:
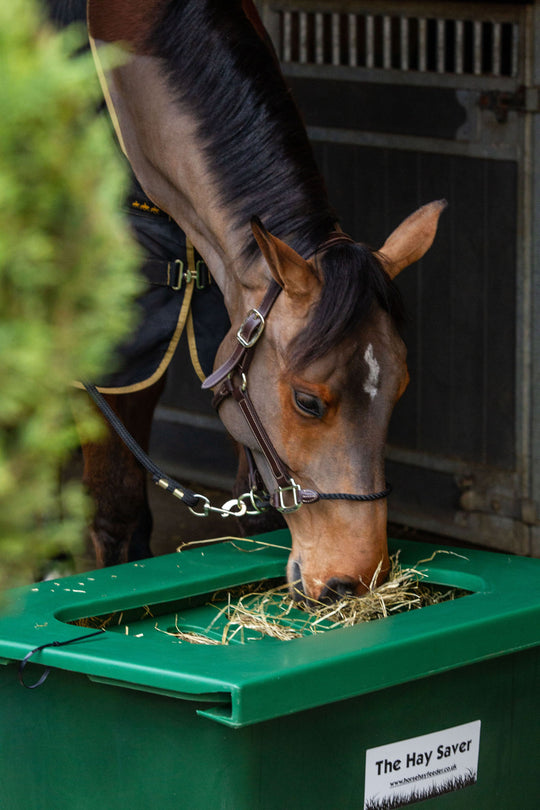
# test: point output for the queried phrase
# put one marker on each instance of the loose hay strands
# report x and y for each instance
(255, 611)
(192, 638)
(107, 622)
(269, 612)
(403, 590)
(257, 545)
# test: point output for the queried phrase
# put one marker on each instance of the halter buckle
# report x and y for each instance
(254, 330)
(279, 500)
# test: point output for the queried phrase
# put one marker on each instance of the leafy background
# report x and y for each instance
(67, 278)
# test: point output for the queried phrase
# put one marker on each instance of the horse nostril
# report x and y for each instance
(336, 588)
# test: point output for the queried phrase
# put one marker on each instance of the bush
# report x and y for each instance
(67, 276)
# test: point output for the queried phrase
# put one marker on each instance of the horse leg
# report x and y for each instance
(122, 522)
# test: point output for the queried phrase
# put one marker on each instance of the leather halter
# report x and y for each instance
(288, 496)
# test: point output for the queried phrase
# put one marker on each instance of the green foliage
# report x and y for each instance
(67, 276)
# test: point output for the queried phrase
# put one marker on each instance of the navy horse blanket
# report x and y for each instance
(180, 297)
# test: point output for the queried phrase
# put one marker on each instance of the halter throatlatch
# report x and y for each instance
(231, 377)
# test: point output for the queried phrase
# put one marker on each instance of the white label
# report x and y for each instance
(416, 769)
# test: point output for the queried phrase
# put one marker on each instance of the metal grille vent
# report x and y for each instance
(470, 47)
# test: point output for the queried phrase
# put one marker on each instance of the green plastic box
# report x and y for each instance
(442, 698)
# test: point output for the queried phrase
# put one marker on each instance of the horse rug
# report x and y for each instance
(180, 296)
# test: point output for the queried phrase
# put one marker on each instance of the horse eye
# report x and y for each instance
(309, 404)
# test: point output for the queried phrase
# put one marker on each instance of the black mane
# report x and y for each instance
(258, 150)
(354, 280)
(252, 132)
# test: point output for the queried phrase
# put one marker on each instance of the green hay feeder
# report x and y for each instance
(445, 698)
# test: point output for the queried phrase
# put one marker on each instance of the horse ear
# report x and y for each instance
(288, 268)
(412, 238)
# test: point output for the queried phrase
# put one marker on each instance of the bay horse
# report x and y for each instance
(216, 141)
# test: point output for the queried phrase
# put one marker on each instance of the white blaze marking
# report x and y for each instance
(372, 381)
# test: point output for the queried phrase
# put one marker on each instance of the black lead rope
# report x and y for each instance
(158, 476)
(190, 498)
(345, 496)
(45, 674)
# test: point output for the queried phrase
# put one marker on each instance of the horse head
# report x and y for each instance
(324, 381)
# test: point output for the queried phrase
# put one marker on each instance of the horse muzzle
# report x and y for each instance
(333, 591)
(306, 587)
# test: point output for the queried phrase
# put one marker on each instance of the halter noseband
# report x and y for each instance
(288, 495)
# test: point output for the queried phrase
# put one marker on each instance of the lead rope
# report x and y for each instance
(346, 496)
(161, 479)
(197, 504)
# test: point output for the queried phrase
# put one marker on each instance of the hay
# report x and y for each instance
(110, 620)
(181, 635)
(267, 610)
(256, 611)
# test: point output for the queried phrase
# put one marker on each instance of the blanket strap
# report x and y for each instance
(175, 274)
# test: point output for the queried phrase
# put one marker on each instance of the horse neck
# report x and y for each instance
(181, 183)
(189, 197)
(238, 97)
(176, 179)
(171, 162)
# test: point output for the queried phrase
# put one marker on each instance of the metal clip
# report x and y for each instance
(259, 502)
(234, 507)
(226, 510)
(205, 506)
(189, 275)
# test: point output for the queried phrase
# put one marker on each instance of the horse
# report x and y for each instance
(309, 372)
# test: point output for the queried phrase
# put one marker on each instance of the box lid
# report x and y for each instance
(256, 681)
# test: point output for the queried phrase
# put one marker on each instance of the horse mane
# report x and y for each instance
(260, 155)
(254, 140)
(353, 281)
